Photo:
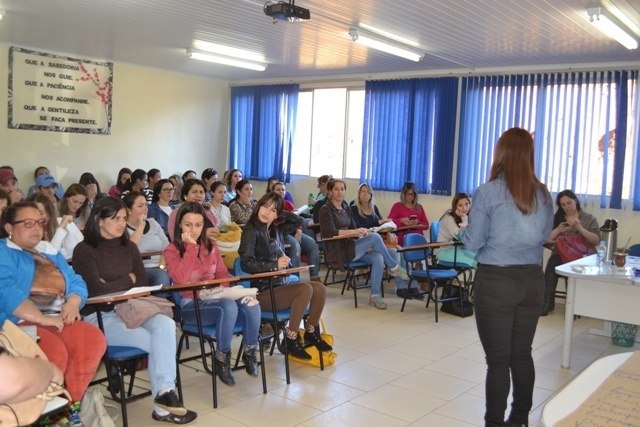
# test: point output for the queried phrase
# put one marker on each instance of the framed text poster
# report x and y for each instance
(59, 93)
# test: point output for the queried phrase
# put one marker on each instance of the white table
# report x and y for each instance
(580, 388)
(601, 292)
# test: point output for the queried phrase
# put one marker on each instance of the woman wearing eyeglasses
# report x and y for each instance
(160, 208)
(408, 212)
(109, 262)
(26, 262)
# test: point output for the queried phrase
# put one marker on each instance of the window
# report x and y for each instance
(583, 126)
(328, 137)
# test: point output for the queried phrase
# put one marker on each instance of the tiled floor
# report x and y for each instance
(393, 369)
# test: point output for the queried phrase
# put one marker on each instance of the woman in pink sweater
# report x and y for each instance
(408, 212)
(192, 257)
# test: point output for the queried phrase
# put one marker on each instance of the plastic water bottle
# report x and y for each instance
(602, 253)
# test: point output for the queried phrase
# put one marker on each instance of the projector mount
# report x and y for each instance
(286, 11)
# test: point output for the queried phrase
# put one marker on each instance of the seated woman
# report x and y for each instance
(147, 234)
(242, 206)
(336, 219)
(366, 215)
(124, 176)
(568, 219)
(208, 176)
(220, 211)
(299, 242)
(408, 212)
(192, 257)
(177, 182)
(232, 177)
(62, 232)
(193, 191)
(160, 208)
(42, 170)
(451, 223)
(91, 184)
(5, 201)
(27, 262)
(271, 182)
(109, 262)
(73, 204)
(139, 182)
(261, 250)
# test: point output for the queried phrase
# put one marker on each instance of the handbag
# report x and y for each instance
(571, 247)
(138, 310)
(17, 343)
(329, 357)
(93, 409)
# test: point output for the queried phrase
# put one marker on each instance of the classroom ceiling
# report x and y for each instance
(456, 35)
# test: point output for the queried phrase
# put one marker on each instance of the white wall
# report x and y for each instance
(165, 120)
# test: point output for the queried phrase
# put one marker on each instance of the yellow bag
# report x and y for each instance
(228, 242)
(329, 357)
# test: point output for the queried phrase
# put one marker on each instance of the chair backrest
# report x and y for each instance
(415, 239)
(238, 271)
(434, 230)
(634, 250)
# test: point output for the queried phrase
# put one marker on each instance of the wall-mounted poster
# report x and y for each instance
(59, 93)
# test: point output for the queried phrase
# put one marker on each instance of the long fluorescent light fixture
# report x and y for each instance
(217, 59)
(382, 45)
(599, 19)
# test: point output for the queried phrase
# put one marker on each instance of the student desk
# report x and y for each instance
(601, 292)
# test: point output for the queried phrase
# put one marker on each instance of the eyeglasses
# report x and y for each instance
(30, 223)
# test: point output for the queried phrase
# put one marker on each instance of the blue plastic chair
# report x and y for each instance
(634, 250)
(418, 263)
(462, 268)
(190, 329)
(276, 318)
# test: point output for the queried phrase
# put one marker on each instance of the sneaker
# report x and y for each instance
(395, 271)
(169, 402)
(403, 275)
(416, 294)
(314, 338)
(187, 418)
(402, 293)
(377, 302)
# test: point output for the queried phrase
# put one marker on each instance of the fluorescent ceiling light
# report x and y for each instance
(226, 61)
(387, 34)
(228, 51)
(383, 45)
(606, 25)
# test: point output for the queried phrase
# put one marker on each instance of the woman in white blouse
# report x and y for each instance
(221, 212)
(61, 232)
(147, 234)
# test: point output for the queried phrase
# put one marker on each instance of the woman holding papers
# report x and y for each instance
(192, 257)
(356, 244)
(366, 215)
(109, 262)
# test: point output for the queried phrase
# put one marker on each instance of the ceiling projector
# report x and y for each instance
(286, 11)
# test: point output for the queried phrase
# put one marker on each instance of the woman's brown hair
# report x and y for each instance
(513, 161)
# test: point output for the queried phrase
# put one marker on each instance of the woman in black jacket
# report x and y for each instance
(261, 250)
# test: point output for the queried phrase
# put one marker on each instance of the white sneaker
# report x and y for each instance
(377, 302)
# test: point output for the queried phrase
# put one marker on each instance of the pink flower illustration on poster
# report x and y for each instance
(103, 88)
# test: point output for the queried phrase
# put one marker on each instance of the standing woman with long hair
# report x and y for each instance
(511, 218)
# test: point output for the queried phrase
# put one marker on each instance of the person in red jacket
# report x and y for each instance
(408, 212)
(192, 257)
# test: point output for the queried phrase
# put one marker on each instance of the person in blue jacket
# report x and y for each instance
(26, 261)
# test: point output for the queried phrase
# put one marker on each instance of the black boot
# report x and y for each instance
(295, 348)
(223, 367)
(250, 361)
(314, 338)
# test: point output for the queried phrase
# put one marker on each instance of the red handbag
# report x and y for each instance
(572, 247)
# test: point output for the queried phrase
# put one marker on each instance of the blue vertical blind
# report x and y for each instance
(409, 131)
(262, 128)
(579, 122)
